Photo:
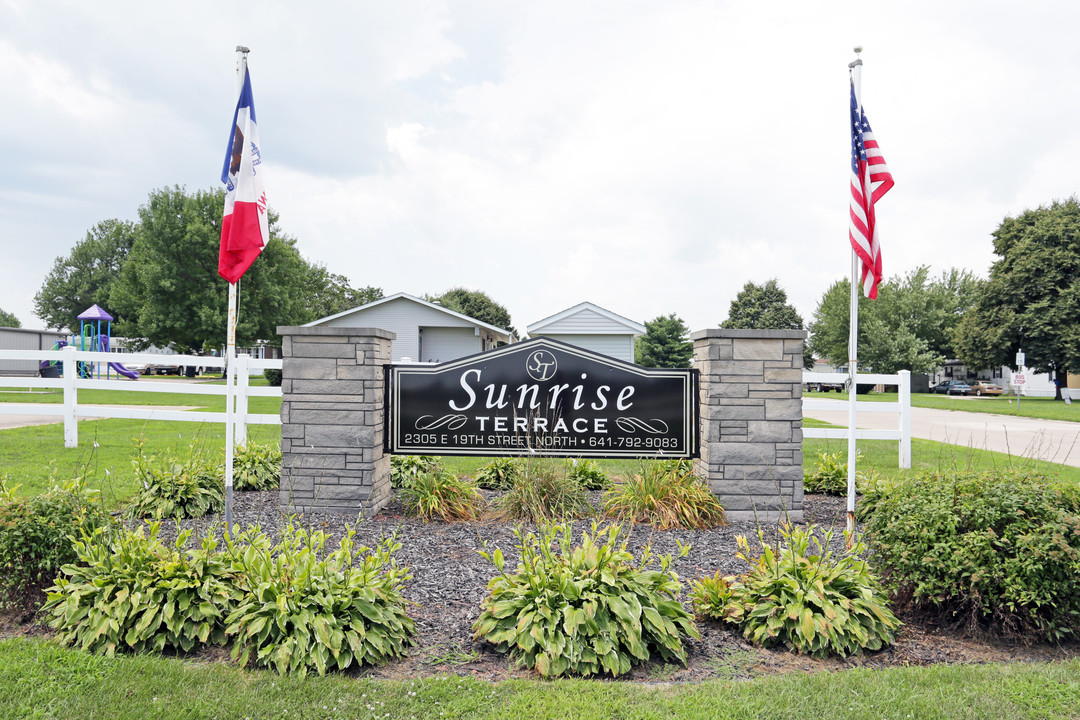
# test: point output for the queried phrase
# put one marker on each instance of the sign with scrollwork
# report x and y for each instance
(542, 397)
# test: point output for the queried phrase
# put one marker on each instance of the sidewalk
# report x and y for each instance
(15, 421)
(1051, 440)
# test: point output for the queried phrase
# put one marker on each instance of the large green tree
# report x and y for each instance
(664, 344)
(86, 276)
(331, 293)
(909, 327)
(765, 307)
(169, 290)
(8, 319)
(475, 304)
(1032, 299)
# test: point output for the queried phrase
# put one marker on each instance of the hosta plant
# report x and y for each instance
(405, 468)
(441, 494)
(499, 474)
(308, 609)
(829, 477)
(136, 593)
(256, 467)
(799, 594)
(176, 488)
(588, 474)
(586, 609)
(36, 536)
(664, 499)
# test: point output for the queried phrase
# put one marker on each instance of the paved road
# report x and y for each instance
(1052, 440)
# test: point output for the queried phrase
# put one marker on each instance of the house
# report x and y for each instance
(426, 332)
(593, 328)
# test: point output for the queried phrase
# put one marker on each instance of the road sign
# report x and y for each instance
(1021, 360)
(1019, 378)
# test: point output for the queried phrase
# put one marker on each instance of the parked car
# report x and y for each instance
(982, 387)
(951, 387)
(161, 369)
(824, 387)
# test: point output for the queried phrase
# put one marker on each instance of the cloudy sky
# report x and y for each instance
(650, 157)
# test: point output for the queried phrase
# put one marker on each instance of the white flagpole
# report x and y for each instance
(853, 339)
(230, 344)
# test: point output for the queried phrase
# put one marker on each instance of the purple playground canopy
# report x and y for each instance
(95, 313)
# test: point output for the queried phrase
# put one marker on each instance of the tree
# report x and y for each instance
(8, 320)
(85, 277)
(1032, 299)
(909, 327)
(664, 344)
(476, 304)
(765, 307)
(331, 293)
(169, 291)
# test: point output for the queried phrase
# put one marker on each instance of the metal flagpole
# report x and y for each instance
(855, 67)
(230, 343)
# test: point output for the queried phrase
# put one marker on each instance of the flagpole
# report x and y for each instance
(230, 345)
(855, 67)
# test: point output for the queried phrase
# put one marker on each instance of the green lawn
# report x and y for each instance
(40, 680)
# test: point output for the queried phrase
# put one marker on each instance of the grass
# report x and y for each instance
(41, 680)
(1043, 408)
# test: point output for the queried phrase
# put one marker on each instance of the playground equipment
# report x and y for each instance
(91, 338)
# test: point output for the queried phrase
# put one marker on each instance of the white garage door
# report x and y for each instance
(444, 344)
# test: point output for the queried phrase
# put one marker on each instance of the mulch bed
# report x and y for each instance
(450, 579)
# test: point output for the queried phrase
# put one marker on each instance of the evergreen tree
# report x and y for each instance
(664, 344)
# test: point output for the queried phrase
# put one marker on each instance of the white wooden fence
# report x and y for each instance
(71, 383)
(902, 407)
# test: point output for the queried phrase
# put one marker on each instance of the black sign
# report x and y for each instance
(544, 397)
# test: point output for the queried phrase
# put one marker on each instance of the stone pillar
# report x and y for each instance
(751, 420)
(332, 420)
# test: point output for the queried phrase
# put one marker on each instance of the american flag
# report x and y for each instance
(870, 179)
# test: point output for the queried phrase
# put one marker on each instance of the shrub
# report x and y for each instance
(543, 492)
(830, 475)
(998, 550)
(584, 610)
(256, 467)
(664, 499)
(273, 377)
(588, 474)
(797, 594)
(499, 474)
(36, 537)
(405, 468)
(442, 494)
(135, 593)
(177, 488)
(305, 609)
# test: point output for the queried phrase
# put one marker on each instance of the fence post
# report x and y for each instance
(70, 370)
(905, 419)
(243, 382)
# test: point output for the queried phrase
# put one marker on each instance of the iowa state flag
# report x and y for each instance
(244, 227)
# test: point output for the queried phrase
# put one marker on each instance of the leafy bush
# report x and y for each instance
(584, 610)
(797, 594)
(135, 593)
(873, 491)
(664, 499)
(499, 474)
(256, 467)
(830, 475)
(177, 488)
(442, 494)
(998, 550)
(273, 377)
(305, 609)
(543, 492)
(588, 474)
(36, 537)
(405, 468)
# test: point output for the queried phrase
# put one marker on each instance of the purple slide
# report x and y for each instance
(124, 371)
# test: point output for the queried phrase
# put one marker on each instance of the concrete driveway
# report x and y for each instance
(1051, 440)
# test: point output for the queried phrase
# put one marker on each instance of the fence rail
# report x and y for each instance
(71, 382)
(902, 407)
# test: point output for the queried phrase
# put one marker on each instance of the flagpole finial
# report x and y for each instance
(858, 60)
(242, 49)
